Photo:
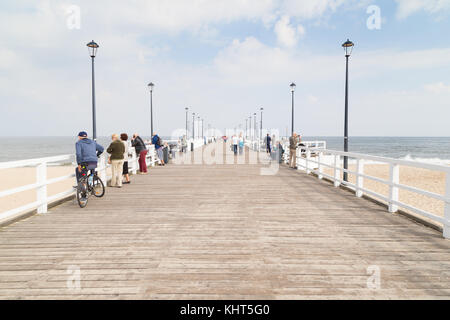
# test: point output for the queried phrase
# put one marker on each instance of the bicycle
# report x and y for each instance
(89, 184)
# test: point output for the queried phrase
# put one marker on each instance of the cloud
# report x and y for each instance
(308, 9)
(409, 7)
(438, 87)
(287, 34)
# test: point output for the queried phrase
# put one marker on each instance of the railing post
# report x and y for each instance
(337, 178)
(308, 156)
(394, 178)
(447, 207)
(41, 193)
(133, 161)
(320, 167)
(102, 166)
(359, 177)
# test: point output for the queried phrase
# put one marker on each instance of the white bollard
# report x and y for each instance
(41, 193)
(394, 177)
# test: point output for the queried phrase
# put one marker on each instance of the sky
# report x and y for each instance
(225, 59)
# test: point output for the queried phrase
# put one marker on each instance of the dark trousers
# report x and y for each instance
(142, 163)
(269, 148)
(89, 166)
(235, 148)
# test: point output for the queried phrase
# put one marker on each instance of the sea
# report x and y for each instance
(424, 149)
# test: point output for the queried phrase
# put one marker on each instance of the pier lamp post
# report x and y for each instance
(292, 85)
(198, 127)
(202, 127)
(193, 125)
(254, 126)
(187, 110)
(250, 132)
(246, 128)
(261, 124)
(348, 48)
(92, 47)
(150, 87)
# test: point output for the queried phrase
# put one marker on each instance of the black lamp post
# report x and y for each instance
(92, 47)
(292, 85)
(246, 128)
(261, 124)
(187, 110)
(150, 87)
(202, 127)
(198, 127)
(348, 47)
(254, 126)
(193, 125)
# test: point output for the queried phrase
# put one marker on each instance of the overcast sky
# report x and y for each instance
(225, 59)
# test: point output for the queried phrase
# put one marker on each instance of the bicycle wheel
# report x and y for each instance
(98, 188)
(82, 194)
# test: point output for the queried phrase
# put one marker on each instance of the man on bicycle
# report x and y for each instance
(87, 152)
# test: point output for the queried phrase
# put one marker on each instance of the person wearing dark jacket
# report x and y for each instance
(141, 152)
(87, 153)
(116, 149)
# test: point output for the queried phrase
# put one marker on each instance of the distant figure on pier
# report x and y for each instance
(183, 144)
(116, 149)
(87, 153)
(235, 142)
(141, 152)
(293, 143)
(126, 143)
(156, 140)
(268, 144)
(241, 144)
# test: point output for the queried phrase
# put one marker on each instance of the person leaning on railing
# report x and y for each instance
(141, 152)
(87, 153)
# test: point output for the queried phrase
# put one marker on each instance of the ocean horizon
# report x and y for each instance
(425, 149)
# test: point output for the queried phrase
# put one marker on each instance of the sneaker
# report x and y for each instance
(126, 182)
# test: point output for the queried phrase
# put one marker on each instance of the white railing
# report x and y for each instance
(41, 183)
(314, 160)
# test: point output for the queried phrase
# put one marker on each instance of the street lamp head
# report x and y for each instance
(92, 47)
(348, 47)
(186, 108)
(261, 109)
(292, 85)
(150, 86)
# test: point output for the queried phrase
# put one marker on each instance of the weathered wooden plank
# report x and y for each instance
(223, 232)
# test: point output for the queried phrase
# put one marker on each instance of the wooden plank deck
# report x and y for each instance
(223, 232)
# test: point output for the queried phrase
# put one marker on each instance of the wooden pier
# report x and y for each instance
(223, 232)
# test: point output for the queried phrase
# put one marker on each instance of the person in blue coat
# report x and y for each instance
(87, 153)
(156, 140)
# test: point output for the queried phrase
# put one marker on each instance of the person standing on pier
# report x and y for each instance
(126, 143)
(268, 144)
(241, 144)
(235, 141)
(293, 143)
(156, 140)
(87, 153)
(116, 149)
(141, 152)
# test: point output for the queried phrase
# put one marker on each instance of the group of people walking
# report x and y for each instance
(238, 144)
(88, 151)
